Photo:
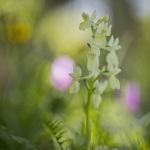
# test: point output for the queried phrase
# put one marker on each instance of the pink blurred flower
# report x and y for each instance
(59, 76)
(132, 96)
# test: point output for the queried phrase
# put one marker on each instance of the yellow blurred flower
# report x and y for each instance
(19, 33)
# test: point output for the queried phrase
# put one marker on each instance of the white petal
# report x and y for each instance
(112, 58)
(108, 31)
(111, 41)
(93, 61)
(103, 86)
(110, 68)
(95, 49)
(74, 87)
(114, 82)
(77, 72)
(99, 41)
(116, 42)
(116, 71)
(100, 87)
(101, 27)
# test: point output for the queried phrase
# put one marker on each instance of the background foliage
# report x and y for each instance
(32, 34)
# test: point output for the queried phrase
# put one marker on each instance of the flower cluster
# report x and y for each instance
(101, 40)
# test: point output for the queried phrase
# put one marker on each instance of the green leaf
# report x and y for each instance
(19, 139)
(58, 131)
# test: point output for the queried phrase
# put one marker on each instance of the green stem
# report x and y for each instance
(88, 121)
(86, 84)
(102, 72)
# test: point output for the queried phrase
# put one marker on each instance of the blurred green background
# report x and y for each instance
(33, 33)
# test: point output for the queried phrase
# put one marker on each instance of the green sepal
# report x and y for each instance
(93, 17)
(77, 72)
(84, 25)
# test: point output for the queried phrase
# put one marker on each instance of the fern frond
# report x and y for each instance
(58, 131)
